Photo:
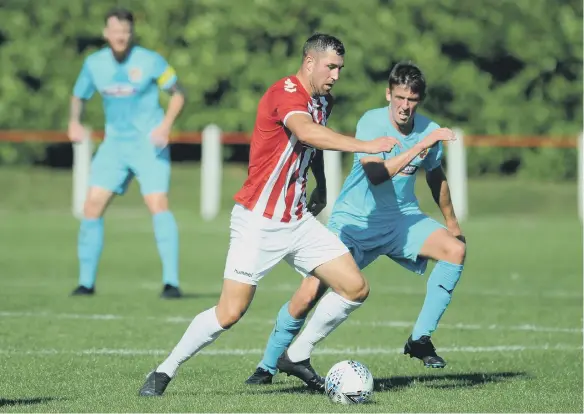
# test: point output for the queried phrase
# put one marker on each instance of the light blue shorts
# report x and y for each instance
(402, 243)
(117, 162)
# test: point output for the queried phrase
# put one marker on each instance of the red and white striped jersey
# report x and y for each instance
(278, 161)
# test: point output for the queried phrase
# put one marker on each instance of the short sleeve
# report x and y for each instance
(289, 100)
(434, 158)
(84, 87)
(368, 130)
(163, 73)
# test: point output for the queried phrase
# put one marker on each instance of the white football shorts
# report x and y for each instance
(257, 244)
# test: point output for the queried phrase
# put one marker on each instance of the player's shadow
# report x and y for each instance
(444, 381)
(397, 383)
(296, 389)
(5, 402)
(201, 295)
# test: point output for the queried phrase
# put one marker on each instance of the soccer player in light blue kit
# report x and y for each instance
(377, 214)
(137, 129)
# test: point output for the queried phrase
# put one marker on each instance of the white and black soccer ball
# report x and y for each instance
(349, 382)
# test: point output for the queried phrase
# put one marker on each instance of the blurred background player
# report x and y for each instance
(136, 143)
(377, 214)
(270, 221)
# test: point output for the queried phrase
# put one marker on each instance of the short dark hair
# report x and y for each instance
(409, 75)
(121, 14)
(321, 43)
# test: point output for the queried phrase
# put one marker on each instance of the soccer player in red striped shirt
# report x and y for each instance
(270, 221)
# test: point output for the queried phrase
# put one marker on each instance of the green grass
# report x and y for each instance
(512, 335)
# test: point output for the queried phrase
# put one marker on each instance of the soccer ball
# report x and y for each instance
(349, 382)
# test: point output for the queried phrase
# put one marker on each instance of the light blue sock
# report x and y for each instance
(89, 247)
(441, 283)
(285, 330)
(166, 234)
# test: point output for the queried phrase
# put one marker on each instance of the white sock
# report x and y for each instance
(332, 310)
(202, 331)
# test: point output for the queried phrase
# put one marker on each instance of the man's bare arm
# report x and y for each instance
(379, 171)
(175, 105)
(438, 184)
(76, 109)
(323, 138)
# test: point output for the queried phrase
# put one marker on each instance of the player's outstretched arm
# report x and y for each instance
(438, 184)
(324, 138)
(379, 171)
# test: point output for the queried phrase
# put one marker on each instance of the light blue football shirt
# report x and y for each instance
(361, 205)
(130, 89)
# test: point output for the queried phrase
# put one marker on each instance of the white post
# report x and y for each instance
(211, 169)
(82, 154)
(333, 170)
(581, 176)
(457, 175)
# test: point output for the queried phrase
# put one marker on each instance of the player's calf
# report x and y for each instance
(167, 242)
(306, 296)
(350, 289)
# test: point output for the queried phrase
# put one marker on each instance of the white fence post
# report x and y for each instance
(211, 169)
(457, 175)
(82, 154)
(581, 176)
(333, 170)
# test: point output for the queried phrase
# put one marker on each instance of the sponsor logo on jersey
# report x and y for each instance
(119, 90)
(289, 86)
(409, 170)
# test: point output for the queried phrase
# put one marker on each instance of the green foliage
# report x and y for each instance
(510, 69)
(550, 163)
(27, 153)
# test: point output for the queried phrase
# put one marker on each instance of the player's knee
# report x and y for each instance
(357, 291)
(156, 203)
(455, 251)
(229, 315)
(94, 207)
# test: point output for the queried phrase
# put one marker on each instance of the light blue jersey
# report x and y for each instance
(386, 218)
(129, 89)
(130, 92)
